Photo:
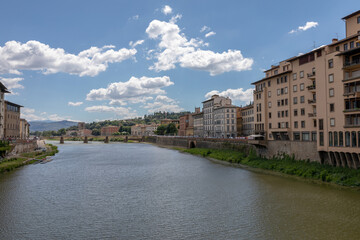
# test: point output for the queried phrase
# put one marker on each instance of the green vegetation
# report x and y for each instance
(10, 164)
(285, 164)
(4, 146)
(169, 129)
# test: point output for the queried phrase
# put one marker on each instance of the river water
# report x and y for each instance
(140, 191)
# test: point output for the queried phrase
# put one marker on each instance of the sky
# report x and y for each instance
(96, 60)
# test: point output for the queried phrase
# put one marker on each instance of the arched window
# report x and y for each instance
(330, 139)
(335, 139)
(347, 139)
(353, 139)
(341, 139)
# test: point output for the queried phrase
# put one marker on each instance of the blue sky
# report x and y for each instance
(96, 60)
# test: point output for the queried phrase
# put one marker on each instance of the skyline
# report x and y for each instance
(87, 62)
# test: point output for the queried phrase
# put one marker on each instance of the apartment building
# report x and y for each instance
(143, 130)
(12, 120)
(225, 121)
(109, 130)
(316, 97)
(198, 124)
(24, 129)
(247, 117)
(208, 113)
(3, 90)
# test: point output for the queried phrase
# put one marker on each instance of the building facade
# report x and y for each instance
(12, 120)
(247, 115)
(143, 130)
(198, 124)
(109, 130)
(3, 90)
(208, 113)
(316, 97)
(225, 121)
(24, 129)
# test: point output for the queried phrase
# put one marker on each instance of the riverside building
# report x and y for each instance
(315, 97)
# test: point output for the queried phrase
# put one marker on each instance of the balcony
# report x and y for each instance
(312, 101)
(352, 94)
(311, 87)
(352, 110)
(352, 64)
(258, 91)
(311, 75)
(352, 125)
(312, 114)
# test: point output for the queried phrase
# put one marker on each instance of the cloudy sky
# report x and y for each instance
(96, 60)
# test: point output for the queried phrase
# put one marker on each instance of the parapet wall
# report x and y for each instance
(301, 150)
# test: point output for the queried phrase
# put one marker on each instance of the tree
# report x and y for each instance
(96, 132)
(61, 132)
(171, 129)
(161, 130)
(74, 134)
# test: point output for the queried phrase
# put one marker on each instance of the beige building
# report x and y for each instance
(3, 90)
(247, 117)
(12, 120)
(208, 110)
(316, 97)
(24, 129)
(143, 130)
(225, 121)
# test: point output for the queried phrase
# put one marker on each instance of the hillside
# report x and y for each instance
(50, 126)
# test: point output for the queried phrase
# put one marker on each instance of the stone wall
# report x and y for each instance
(301, 150)
(23, 148)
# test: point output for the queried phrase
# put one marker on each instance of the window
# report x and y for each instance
(286, 90)
(276, 72)
(302, 87)
(335, 139)
(347, 139)
(345, 46)
(313, 136)
(295, 112)
(295, 88)
(286, 101)
(294, 76)
(269, 114)
(305, 136)
(269, 93)
(296, 136)
(302, 124)
(332, 107)
(269, 104)
(353, 139)
(331, 92)
(321, 139)
(269, 125)
(341, 139)
(277, 80)
(332, 122)
(351, 45)
(331, 78)
(302, 111)
(301, 74)
(302, 99)
(269, 83)
(331, 63)
(278, 92)
(358, 19)
(330, 139)
(337, 48)
(295, 100)
(296, 124)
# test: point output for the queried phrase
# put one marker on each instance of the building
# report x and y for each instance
(109, 130)
(12, 120)
(84, 132)
(24, 129)
(186, 126)
(247, 116)
(239, 123)
(3, 90)
(198, 118)
(225, 121)
(316, 97)
(143, 130)
(208, 113)
(81, 125)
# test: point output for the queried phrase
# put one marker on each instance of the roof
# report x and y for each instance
(350, 15)
(226, 106)
(3, 88)
(276, 75)
(344, 39)
(351, 51)
(13, 104)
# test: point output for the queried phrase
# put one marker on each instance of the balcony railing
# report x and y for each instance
(312, 114)
(351, 110)
(352, 94)
(311, 87)
(312, 101)
(311, 75)
(352, 63)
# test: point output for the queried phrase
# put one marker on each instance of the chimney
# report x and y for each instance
(334, 40)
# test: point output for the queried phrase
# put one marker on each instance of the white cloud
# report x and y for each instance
(12, 83)
(135, 17)
(120, 111)
(75, 104)
(205, 29)
(34, 55)
(175, 18)
(30, 115)
(307, 26)
(174, 48)
(135, 90)
(163, 103)
(166, 10)
(234, 94)
(209, 34)
(134, 44)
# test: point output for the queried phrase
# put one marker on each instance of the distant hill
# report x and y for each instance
(50, 126)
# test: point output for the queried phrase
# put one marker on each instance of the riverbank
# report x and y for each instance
(10, 164)
(93, 139)
(283, 165)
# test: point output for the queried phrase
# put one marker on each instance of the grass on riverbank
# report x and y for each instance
(285, 164)
(10, 164)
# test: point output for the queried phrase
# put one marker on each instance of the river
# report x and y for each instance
(140, 191)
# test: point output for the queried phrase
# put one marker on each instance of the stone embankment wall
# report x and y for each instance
(25, 146)
(301, 150)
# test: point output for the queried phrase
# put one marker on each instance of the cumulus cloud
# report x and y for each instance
(307, 26)
(234, 94)
(135, 90)
(209, 34)
(134, 44)
(163, 103)
(30, 115)
(120, 111)
(166, 10)
(174, 48)
(12, 83)
(34, 55)
(75, 104)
